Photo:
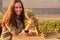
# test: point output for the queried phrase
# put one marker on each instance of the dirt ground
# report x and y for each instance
(33, 38)
(55, 36)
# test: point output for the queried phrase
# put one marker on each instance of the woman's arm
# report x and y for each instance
(30, 16)
(26, 15)
(30, 23)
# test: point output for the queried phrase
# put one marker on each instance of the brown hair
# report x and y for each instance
(10, 16)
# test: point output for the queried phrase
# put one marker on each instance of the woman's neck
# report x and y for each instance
(18, 17)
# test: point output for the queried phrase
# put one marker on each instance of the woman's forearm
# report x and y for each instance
(30, 23)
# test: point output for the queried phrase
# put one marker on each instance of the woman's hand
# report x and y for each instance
(22, 32)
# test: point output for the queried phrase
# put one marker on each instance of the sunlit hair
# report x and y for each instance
(10, 15)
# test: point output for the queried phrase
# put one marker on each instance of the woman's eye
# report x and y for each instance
(16, 7)
(20, 7)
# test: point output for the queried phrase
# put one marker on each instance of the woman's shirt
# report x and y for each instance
(12, 29)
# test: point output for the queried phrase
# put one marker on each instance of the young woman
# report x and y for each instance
(13, 20)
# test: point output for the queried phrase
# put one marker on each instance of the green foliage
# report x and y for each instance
(49, 26)
(1, 16)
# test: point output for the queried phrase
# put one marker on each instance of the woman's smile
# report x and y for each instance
(18, 8)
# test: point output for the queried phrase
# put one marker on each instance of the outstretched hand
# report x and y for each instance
(22, 32)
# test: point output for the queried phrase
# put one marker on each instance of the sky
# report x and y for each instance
(41, 3)
(37, 3)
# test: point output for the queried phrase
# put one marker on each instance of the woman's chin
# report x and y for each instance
(17, 14)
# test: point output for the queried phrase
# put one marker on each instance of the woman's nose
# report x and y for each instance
(18, 9)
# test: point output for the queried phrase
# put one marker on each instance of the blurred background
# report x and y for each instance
(43, 9)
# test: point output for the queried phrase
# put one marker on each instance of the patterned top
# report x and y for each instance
(10, 30)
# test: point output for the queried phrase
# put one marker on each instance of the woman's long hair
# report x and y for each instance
(10, 15)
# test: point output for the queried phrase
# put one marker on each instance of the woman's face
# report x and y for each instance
(18, 8)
